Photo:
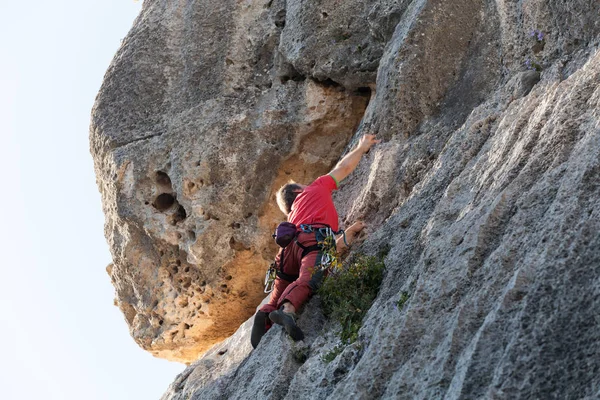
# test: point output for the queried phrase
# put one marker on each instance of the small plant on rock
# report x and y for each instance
(532, 63)
(347, 295)
(537, 35)
(404, 296)
(331, 355)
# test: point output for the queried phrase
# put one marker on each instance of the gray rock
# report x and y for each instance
(485, 191)
(191, 134)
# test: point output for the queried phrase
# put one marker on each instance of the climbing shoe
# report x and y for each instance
(288, 321)
(259, 328)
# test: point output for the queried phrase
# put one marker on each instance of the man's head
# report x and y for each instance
(287, 194)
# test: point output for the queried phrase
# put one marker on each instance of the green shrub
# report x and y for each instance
(347, 295)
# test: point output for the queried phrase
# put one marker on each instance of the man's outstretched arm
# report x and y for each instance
(351, 160)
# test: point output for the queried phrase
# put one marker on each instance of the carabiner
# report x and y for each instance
(306, 228)
(270, 279)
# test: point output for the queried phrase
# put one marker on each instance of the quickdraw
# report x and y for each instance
(270, 279)
(326, 242)
(328, 257)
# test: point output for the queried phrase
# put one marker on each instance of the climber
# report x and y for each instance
(310, 208)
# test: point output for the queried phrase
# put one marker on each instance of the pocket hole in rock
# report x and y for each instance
(163, 179)
(180, 214)
(164, 201)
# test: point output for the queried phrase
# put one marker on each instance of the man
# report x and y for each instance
(310, 208)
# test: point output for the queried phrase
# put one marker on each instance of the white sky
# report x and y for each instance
(61, 336)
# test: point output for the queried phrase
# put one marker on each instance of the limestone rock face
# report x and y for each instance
(485, 192)
(192, 132)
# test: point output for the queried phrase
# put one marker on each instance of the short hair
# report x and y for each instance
(286, 196)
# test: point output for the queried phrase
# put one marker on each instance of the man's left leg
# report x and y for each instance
(297, 293)
(262, 323)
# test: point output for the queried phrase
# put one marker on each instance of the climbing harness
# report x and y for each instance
(325, 242)
(325, 237)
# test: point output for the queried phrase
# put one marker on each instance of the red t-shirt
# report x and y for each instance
(315, 205)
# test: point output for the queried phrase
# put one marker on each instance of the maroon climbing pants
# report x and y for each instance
(297, 291)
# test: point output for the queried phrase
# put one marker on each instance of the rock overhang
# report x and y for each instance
(188, 193)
